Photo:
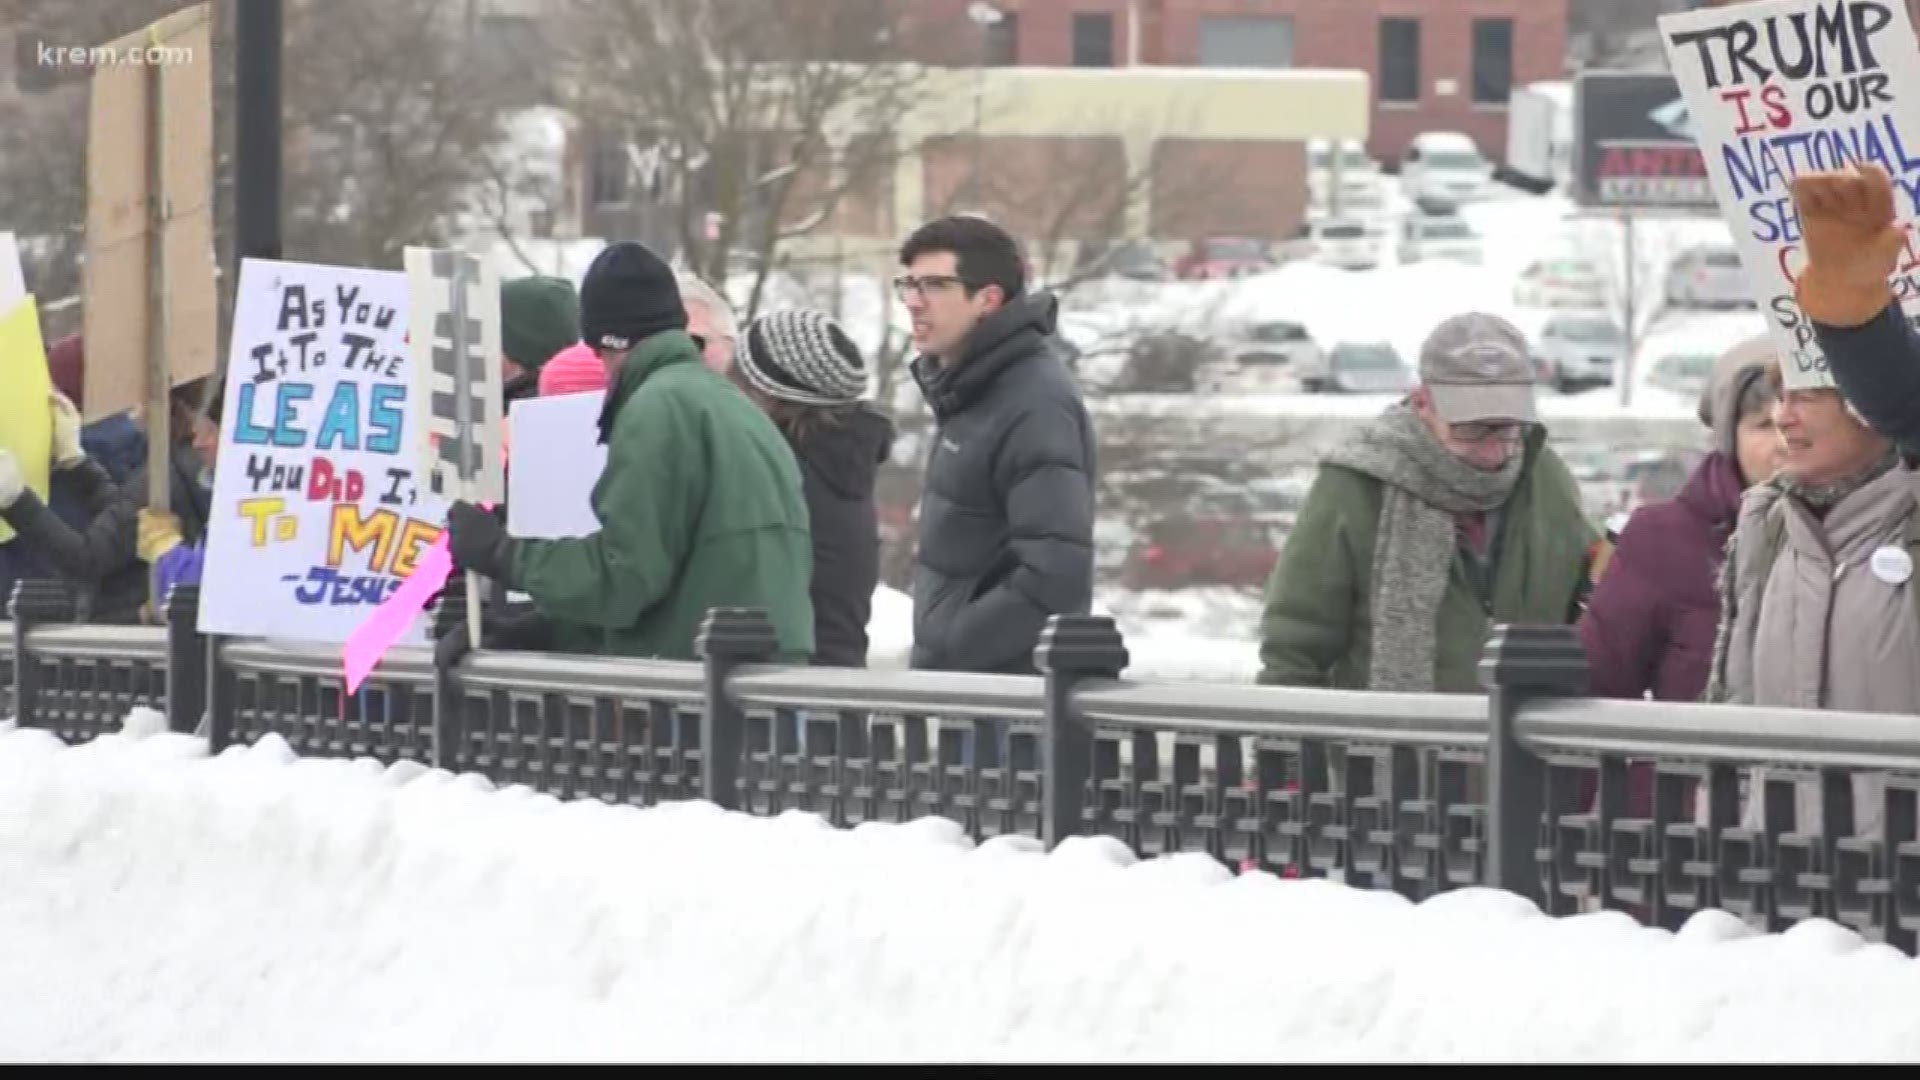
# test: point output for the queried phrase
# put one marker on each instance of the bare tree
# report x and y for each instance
(390, 128)
(763, 117)
(43, 141)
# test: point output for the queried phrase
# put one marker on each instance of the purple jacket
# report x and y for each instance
(1651, 620)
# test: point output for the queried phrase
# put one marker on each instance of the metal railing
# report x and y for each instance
(1575, 803)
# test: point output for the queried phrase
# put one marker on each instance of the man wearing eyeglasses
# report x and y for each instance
(1445, 516)
(1006, 510)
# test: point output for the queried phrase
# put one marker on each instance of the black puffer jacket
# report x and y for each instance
(838, 466)
(1006, 513)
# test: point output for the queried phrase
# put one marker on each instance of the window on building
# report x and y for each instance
(1492, 61)
(1399, 59)
(1093, 40)
(1246, 41)
(1002, 45)
(607, 180)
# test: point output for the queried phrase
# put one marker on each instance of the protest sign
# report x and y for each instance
(1781, 87)
(150, 214)
(318, 514)
(455, 340)
(26, 416)
(454, 300)
(555, 460)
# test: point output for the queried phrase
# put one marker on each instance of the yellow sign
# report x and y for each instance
(26, 418)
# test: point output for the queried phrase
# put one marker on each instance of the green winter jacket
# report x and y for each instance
(700, 507)
(1318, 626)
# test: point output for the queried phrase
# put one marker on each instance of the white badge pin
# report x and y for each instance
(1892, 564)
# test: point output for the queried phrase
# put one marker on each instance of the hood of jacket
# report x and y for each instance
(846, 457)
(1018, 330)
(1713, 493)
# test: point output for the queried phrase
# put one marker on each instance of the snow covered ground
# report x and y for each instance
(161, 905)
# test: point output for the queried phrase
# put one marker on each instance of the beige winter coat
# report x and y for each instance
(1824, 630)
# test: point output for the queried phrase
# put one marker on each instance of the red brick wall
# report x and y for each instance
(1345, 34)
(1206, 188)
(941, 33)
(1040, 190)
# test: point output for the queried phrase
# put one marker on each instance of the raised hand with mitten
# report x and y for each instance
(1852, 243)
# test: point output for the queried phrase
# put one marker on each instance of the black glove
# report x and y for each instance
(479, 542)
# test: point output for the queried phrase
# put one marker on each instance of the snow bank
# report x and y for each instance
(890, 629)
(161, 905)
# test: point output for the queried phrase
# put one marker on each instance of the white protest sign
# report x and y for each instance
(317, 516)
(454, 302)
(555, 460)
(13, 284)
(1776, 88)
(455, 309)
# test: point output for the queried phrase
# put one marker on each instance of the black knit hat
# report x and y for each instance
(803, 356)
(628, 295)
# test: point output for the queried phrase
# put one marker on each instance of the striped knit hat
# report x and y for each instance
(803, 356)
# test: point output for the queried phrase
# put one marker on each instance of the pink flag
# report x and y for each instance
(390, 620)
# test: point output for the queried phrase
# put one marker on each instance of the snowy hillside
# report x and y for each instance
(160, 905)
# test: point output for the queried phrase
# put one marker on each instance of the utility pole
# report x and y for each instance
(986, 17)
(1632, 327)
(257, 153)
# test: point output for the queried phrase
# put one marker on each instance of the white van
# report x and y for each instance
(1443, 167)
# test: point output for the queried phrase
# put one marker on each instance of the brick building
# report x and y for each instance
(1434, 64)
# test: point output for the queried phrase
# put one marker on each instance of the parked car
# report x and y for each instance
(1134, 260)
(1345, 243)
(1361, 367)
(1439, 238)
(1682, 373)
(1361, 187)
(1562, 281)
(1266, 356)
(1580, 350)
(1223, 257)
(1708, 276)
(1444, 165)
(1184, 551)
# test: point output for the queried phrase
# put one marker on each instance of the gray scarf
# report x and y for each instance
(1425, 487)
(1821, 498)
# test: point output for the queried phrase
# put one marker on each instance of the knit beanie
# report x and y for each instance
(1739, 380)
(629, 295)
(67, 366)
(803, 356)
(539, 316)
(575, 369)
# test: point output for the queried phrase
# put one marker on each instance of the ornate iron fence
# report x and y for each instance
(1656, 809)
